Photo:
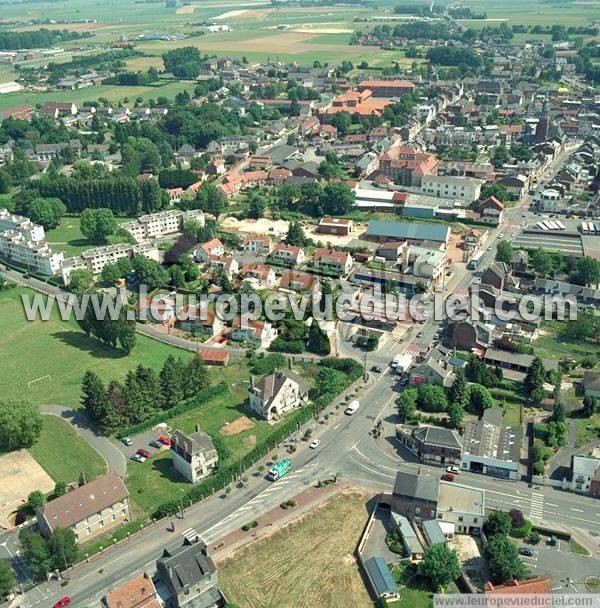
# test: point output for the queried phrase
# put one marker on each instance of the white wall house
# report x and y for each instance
(466, 189)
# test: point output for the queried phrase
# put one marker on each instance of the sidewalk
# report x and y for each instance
(274, 520)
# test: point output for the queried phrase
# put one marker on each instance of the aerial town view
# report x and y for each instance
(299, 303)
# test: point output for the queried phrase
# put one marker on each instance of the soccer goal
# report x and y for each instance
(32, 383)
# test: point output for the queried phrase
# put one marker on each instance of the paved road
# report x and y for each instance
(79, 420)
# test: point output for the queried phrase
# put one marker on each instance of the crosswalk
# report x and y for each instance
(191, 535)
(537, 506)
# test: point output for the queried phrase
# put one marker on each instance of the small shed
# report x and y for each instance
(381, 578)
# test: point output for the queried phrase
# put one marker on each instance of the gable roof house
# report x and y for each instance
(189, 577)
(288, 255)
(91, 510)
(431, 443)
(194, 455)
(205, 251)
(138, 592)
(277, 394)
(415, 495)
(257, 333)
(329, 260)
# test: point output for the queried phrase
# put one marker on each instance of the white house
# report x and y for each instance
(466, 189)
(211, 248)
(194, 456)
(276, 394)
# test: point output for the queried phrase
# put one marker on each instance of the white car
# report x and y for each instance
(501, 235)
(138, 458)
(454, 469)
(351, 409)
(315, 443)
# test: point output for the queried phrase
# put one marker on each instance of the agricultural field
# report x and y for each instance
(59, 438)
(65, 354)
(308, 563)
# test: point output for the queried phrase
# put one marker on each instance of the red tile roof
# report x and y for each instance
(536, 585)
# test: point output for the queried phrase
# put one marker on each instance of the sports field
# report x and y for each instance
(308, 563)
(44, 361)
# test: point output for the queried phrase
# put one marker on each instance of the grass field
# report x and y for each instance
(68, 237)
(64, 454)
(33, 350)
(307, 564)
(415, 592)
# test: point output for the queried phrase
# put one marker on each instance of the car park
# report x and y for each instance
(315, 443)
(155, 443)
(164, 440)
(138, 458)
(127, 440)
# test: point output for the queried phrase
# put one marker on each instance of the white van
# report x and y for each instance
(351, 409)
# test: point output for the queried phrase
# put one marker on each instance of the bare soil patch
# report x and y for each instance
(239, 425)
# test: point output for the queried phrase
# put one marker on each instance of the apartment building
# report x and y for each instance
(194, 455)
(406, 165)
(96, 259)
(24, 243)
(387, 88)
(91, 510)
(164, 223)
(466, 189)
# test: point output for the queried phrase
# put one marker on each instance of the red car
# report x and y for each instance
(62, 602)
(164, 440)
(222, 339)
(144, 453)
(447, 477)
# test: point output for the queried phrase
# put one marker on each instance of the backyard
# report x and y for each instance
(308, 563)
(57, 440)
(414, 590)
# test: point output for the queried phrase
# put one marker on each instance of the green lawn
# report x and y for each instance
(512, 414)
(578, 549)
(588, 429)
(64, 454)
(414, 590)
(552, 345)
(44, 361)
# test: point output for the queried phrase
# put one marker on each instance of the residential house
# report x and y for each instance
(299, 282)
(463, 506)
(227, 263)
(259, 275)
(199, 320)
(465, 189)
(497, 275)
(91, 510)
(434, 370)
(415, 495)
(331, 261)
(189, 577)
(335, 225)
(194, 455)
(591, 383)
(490, 210)
(208, 250)
(532, 586)
(585, 475)
(287, 255)
(137, 592)
(413, 547)
(256, 333)
(257, 243)
(276, 394)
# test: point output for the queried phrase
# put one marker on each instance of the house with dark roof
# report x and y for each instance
(194, 455)
(381, 578)
(187, 578)
(431, 443)
(415, 495)
(276, 394)
(91, 510)
(591, 383)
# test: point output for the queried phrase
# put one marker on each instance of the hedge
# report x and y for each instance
(523, 531)
(226, 475)
(202, 397)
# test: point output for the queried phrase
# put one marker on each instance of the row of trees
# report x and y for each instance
(502, 554)
(57, 552)
(143, 392)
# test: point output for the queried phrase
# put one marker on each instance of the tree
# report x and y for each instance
(60, 489)
(516, 517)
(80, 280)
(20, 424)
(432, 398)
(557, 434)
(541, 262)
(210, 199)
(295, 235)
(172, 380)
(504, 252)
(256, 206)
(586, 272)
(503, 560)
(480, 398)
(456, 413)
(35, 552)
(498, 522)
(196, 376)
(591, 405)
(558, 412)
(458, 390)
(330, 381)
(440, 564)
(337, 199)
(47, 212)
(36, 499)
(5, 181)
(149, 272)
(7, 580)
(112, 272)
(407, 403)
(93, 396)
(535, 377)
(318, 342)
(98, 224)
(62, 546)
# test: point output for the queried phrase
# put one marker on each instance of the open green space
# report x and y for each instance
(552, 345)
(588, 429)
(414, 590)
(64, 454)
(44, 361)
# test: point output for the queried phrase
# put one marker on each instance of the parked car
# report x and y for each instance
(222, 339)
(138, 458)
(447, 477)
(420, 334)
(164, 440)
(352, 408)
(315, 443)
(127, 440)
(453, 469)
(376, 369)
(144, 453)
(155, 443)
(525, 551)
(62, 602)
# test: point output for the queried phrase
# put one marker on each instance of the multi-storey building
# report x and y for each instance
(91, 510)
(164, 223)
(194, 456)
(404, 164)
(466, 189)
(24, 243)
